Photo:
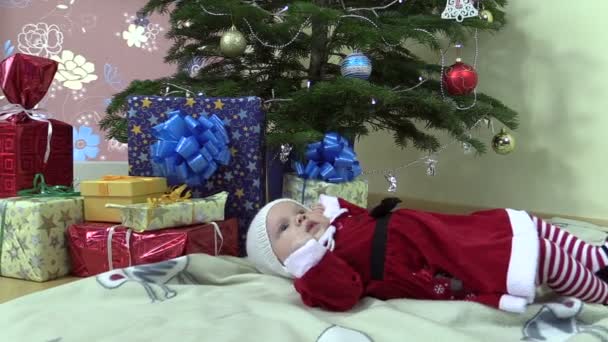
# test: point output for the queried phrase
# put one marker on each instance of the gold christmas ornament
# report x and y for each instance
(487, 16)
(503, 142)
(233, 43)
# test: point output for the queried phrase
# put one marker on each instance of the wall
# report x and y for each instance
(549, 64)
(101, 46)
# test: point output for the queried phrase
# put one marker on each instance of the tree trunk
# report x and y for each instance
(318, 46)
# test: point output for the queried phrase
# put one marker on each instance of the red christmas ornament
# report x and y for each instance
(459, 79)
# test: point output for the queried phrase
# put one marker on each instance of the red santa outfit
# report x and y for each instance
(490, 257)
(495, 257)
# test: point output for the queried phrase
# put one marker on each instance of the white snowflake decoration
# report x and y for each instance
(439, 289)
(459, 10)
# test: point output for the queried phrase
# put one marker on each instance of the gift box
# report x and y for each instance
(243, 178)
(99, 247)
(294, 187)
(151, 216)
(32, 236)
(120, 190)
(29, 142)
(332, 169)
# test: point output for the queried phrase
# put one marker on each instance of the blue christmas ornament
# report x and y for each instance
(356, 65)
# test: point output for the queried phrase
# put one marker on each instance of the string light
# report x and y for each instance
(425, 159)
(373, 9)
(430, 160)
(291, 41)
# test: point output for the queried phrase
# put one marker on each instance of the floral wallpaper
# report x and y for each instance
(100, 46)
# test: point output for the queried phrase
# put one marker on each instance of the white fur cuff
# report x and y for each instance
(332, 207)
(304, 258)
(513, 304)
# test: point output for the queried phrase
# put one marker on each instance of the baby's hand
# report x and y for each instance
(318, 207)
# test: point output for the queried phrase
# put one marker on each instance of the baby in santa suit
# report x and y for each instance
(338, 253)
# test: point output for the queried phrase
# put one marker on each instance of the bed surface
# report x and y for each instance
(204, 298)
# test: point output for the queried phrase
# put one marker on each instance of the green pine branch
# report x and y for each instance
(333, 103)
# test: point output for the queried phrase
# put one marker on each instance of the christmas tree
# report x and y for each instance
(297, 57)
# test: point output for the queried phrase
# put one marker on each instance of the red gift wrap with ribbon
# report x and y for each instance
(30, 142)
(97, 247)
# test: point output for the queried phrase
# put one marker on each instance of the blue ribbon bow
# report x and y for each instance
(189, 150)
(331, 160)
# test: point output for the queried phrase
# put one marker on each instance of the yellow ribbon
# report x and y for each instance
(104, 189)
(113, 178)
(176, 194)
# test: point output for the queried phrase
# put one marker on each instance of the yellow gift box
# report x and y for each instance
(177, 213)
(33, 242)
(121, 190)
(355, 191)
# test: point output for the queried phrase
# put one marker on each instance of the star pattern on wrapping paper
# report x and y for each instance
(13, 253)
(228, 176)
(54, 242)
(53, 275)
(8, 230)
(153, 120)
(218, 104)
(227, 122)
(47, 224)
(136, 129)
(209, 185)
(65, 217)
(23, 273)
(196, 193)
(190, 102)
(251, 166)
(143, 157)
(35, 240)
(145, 103)
(239, 193)
(159, 213)
(321, 190)
(248, 205)
(243, 114)
(256, 183)
(255, 129)
(233, 151)
(36, 261)
(236, 135)
(132, 112)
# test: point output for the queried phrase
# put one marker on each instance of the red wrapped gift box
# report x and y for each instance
(91, 253)
(26, 139)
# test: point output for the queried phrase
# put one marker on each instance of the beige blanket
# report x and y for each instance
(204, 298)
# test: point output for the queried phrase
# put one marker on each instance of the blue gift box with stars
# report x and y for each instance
(243, 176)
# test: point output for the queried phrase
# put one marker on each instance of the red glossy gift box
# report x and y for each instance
(31, 143)
(97, 247)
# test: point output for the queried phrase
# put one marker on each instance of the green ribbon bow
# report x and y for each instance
(41, 189)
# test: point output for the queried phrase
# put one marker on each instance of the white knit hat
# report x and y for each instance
(259, 250)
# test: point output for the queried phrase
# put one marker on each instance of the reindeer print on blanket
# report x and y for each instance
(154, 278)
(559, 322)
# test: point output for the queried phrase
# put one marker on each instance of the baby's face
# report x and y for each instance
(290, 225)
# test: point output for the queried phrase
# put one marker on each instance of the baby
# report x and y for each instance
(339, 252)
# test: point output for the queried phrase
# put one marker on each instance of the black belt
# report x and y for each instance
(379, 247)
